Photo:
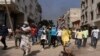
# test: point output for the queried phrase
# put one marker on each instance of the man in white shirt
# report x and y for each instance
(25, 43)
(59, 32)
(10, 33)
(95, 36)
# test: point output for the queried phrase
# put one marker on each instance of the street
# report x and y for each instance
(36, 51)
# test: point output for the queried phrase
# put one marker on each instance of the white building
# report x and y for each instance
(90, 13)
(73, 17)
(21, 11)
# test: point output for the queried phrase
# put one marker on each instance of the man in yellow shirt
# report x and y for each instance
(79, 38)
(85, 36)
(65, 36)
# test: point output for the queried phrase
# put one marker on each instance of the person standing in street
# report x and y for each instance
(49, 36)
(43, 38)
(4, 33)
(17, 36)
(95, 35)
(25, 43)
(65, 37)
(59, 31)
(53, 36)
(33, 34)
(85, 36)
(74, 31)
(79, 38)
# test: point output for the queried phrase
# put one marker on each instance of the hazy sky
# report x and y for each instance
(52, 9)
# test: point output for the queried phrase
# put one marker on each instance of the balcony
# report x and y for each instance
(98, 16)
(8, 1)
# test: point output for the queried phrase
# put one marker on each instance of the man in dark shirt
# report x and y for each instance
(3, 33)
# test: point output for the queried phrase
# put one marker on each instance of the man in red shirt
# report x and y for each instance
(33, 34)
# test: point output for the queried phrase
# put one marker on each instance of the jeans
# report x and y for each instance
(3, 40)
(58, 39)
(94, 42)
(38, 38)
(91, 41)
(53, 40)
(84, 42)
(33, 40)
(43, 43)
(16, 41)
(79, 43)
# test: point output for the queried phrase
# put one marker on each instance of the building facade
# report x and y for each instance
(90, 13)
(21, 11)
(73, 17)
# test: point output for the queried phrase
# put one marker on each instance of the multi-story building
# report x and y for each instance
(66, 18)
(20, 11)
(90, 13)
(73, 17)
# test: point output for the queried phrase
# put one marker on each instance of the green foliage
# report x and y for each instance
(46, 23)
(39, 9)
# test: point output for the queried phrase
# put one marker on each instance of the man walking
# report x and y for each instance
(53, 36)
(79, 38)
(4, 33)
(85, 36)
(95, 35)
(59, 32)
(17, 36)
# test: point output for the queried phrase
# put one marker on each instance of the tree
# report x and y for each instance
(46, 23)
(51, 23)
(39, 9)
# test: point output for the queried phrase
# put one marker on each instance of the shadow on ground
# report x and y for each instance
(3, 52)
(65, 54)
(10, 47)
(34, 53)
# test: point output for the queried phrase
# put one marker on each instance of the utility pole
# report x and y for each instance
(8, 14)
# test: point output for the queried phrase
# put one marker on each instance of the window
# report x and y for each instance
(26, 9)
(86, 16)
(92, 1)
(23, 0)
(92, 15)
(31, 0)
(18, 0)
(30, 6)
(82, 17)
(98, 8)
(86, 1)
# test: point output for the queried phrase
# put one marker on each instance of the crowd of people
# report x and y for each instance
(48, 35)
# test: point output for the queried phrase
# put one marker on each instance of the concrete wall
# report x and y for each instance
(72, 15)
(27, 7)
(90, 7)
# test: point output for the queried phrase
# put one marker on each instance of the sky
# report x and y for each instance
(52, 9)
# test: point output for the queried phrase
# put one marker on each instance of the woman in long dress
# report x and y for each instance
(65, 37)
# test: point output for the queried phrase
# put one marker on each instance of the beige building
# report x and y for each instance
(21, 11)
(90, 13)
(73, 17)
